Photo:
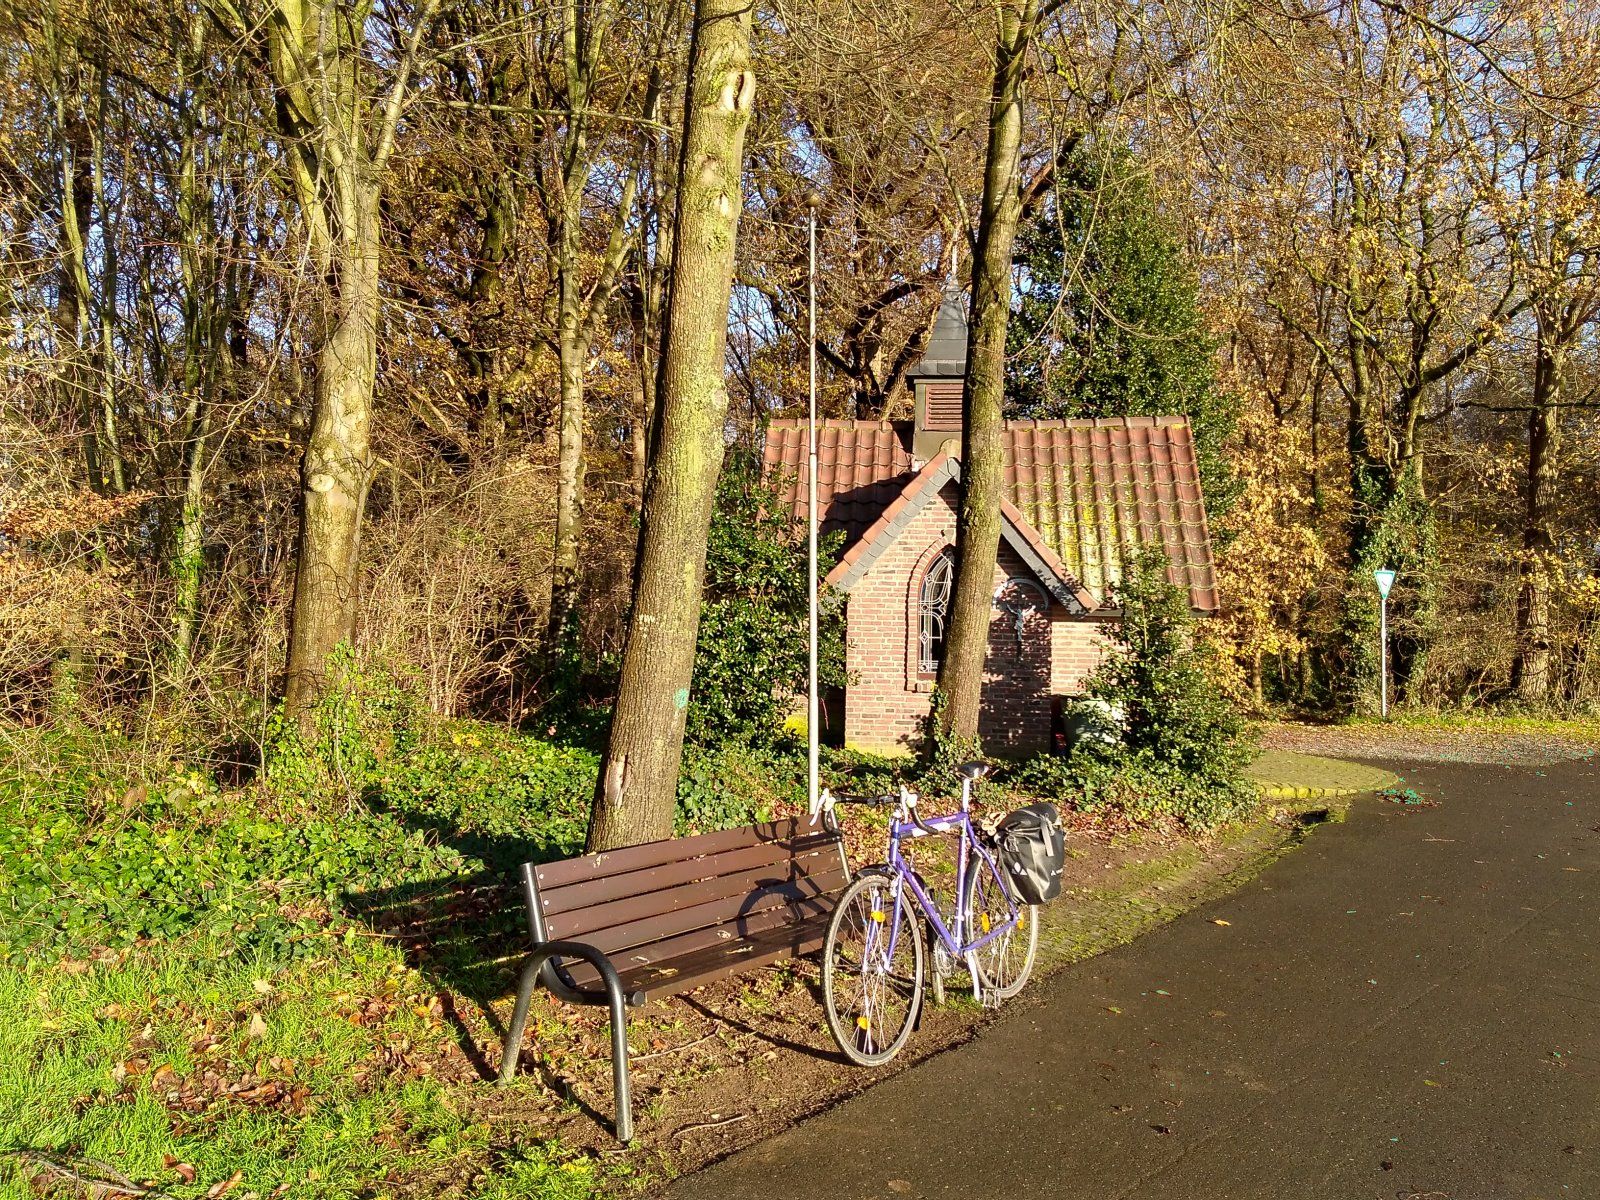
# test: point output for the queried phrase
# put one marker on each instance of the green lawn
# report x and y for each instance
(199, 986)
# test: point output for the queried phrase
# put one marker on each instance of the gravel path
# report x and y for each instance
(1465, 744)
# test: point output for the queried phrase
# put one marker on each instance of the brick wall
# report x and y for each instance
(887, 706)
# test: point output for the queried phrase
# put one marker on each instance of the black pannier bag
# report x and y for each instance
(1033, 846)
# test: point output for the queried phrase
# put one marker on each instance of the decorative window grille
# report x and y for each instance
(936, 586)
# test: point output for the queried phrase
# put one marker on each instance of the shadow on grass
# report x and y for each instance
(466, 933)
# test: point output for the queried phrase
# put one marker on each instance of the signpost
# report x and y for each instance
(1385, 578)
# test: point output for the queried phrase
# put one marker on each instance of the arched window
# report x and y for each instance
(935, 610)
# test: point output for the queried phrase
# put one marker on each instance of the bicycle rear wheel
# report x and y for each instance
(872, 971)
(1004, 962)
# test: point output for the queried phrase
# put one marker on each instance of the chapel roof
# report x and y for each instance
(1086, 491)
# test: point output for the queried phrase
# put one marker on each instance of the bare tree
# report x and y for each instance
(339, 133)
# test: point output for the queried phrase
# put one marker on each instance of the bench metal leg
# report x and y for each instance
(615, 1000)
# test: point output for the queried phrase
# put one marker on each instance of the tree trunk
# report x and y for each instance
(570, 461)
(585, 28)
(1531, 668)
(336, 467)
(983, 396)
(637, 789)
(571, 350)
(335, 159)
(188, 553)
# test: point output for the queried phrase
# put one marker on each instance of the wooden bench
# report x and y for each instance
(633, 925)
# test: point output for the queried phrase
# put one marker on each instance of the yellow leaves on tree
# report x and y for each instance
(1272, 554)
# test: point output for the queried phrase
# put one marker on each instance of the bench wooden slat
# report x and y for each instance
(717, 962)
(594, 892)
(655, 854)
(734, 886)
(666, 952)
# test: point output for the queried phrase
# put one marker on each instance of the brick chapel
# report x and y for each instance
(1079, 496)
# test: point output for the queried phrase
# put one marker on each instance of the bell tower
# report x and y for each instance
(936, 382)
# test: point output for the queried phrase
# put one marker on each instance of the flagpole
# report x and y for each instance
(813, 730)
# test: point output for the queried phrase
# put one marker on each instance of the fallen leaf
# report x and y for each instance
(258, 1027)
(1220, 921)
(899, 1185)
(185, 1170)
(1112, 1008)
(223, 1188)
(262, 986)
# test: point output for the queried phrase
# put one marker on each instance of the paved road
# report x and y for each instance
(1408, 1006)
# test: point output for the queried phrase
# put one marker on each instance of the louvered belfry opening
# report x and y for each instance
(937, 380)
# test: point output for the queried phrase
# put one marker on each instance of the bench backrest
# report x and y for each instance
(685, 894)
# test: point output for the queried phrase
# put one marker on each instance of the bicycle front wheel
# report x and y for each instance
(872, 971)
(1004, 962)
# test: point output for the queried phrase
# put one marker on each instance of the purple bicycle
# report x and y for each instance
(872, 959)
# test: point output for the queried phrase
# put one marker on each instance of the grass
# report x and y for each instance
(203, 987)
(1500, 721)
(184, 1066)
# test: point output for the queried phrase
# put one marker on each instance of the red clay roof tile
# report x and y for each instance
(1082, 492)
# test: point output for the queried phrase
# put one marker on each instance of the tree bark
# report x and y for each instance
(324, 105)
(584, 35)
(336, 468)
(983, 395)
(636, 793)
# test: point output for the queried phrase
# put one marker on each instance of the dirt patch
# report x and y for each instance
(737, 1061)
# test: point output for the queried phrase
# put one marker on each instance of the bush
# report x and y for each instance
(1162, 675)
(97, 850)
(1182, 747)
(502, 797)
(750, 658)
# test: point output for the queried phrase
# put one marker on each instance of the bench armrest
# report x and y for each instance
(538, 962)
(555, 979)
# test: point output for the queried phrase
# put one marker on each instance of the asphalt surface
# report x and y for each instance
(1406, 1007)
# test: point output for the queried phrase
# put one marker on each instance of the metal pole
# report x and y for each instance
(1383, 656)
(813, 731)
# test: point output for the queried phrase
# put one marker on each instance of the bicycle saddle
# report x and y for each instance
(974, 770)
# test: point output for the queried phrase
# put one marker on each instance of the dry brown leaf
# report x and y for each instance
(185, 1171)
(258, 1027)
(223, 1188)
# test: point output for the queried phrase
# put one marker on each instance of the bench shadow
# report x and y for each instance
(466, 934)
(763, 1035)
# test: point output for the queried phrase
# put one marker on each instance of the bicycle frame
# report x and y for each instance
(971, 856)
